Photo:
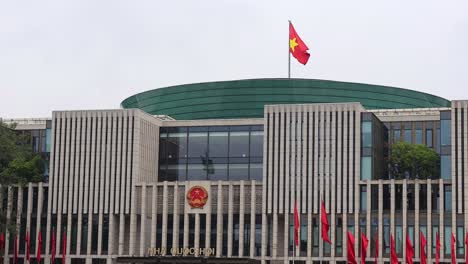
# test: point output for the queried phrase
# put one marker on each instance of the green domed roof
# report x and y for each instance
(246, 98)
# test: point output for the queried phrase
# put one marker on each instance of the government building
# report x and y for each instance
(211, 173)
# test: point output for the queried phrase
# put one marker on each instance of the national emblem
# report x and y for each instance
(197, 197)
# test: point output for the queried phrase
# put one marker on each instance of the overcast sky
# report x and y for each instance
(64, 55)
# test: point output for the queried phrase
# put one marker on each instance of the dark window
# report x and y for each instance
(445, 131)
(447, 198)
(239, 144)
(429, 138)
(418, 136)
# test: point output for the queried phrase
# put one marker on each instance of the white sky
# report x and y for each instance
(64, 55)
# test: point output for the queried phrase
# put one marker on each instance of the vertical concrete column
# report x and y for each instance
(154, 214)
(208, 231)
(429, 222)
(143, 220)
(253, 213)
(441, 217)
(219, 221)
(133, 221)
(175, 218)
(197, 233)
(380, 224)
(230, 219)
(8, 236)
(368, 216)
(29, 212)
(274, 242)
(405, 215)
(164, 216)
(416, 241)
(121, 233)
(241, 218)
(112, 239)
(40, 206)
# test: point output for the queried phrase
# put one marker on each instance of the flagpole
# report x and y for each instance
(289, 55)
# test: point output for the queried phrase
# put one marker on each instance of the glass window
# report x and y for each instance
(217, 172)
(447, 198)
(366, 168)
(238, 172)
(418, 136)
(256, 171)
(363, 198)
(196, 172)
(429, 138)
(218, 144)
(197, 144)
(374, 197)
(239, 144)
(256, 144)
(408, 135)
(176, 146)
(367, 134)
(423, 197)
(460, 241)
(446, 167)
(445, 131)
(435, 234)
(176, 172)
(435, 198)
(447, 240)
(398, 197)
(399, 240)
(410, 197)
(48, 139)
(396, 135)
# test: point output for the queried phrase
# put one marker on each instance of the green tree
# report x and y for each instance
(413, 161)
(18, 165)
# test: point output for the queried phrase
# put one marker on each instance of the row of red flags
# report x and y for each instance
(365, 243)
(39, 246)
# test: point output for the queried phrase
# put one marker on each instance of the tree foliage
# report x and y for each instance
(18, 165)
(413, 161)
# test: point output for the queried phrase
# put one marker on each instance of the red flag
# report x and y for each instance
(2, 241)
(297, 47)
(53, 248)
(15, 260)
(364, 244)
(376, 247)
(466, 250)
(453, 249)
(423, 248)
(351, 254)
(39, 246)
(437, 248)
(325, 225)
(64, 247)
(28, 244)
(409, 250)
(296, 225)
(393, 256)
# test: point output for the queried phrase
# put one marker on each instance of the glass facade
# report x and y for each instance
(211, 153)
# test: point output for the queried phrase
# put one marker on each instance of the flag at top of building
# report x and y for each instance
(297, 47)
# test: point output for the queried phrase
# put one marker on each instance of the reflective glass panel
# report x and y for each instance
(418, 136)
(367, 134)
(239, 144)
(256, 171)
(256, 143)
(366, 168)
(176, 146)
(218, 172)
(447, 198)
(196, 172)
(238, 172)
(446, 167)
(429, 138)
(218, 144)
(408, 135)
(445, 131)
(197, 144)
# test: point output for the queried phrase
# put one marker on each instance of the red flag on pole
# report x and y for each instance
(52, 257)
(466, 250)
(423, 248)
(64, 247)
(28, 244)
(351, 254)
(376, 247)
(297, 47)
(437, 248)
(296, 225)
(409, 250)
(15, 260)
(393, 256)
(452, 244)
(39, 246)
(364, 244)
(325, 225)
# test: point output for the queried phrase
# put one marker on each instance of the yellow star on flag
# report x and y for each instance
(293, 44)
